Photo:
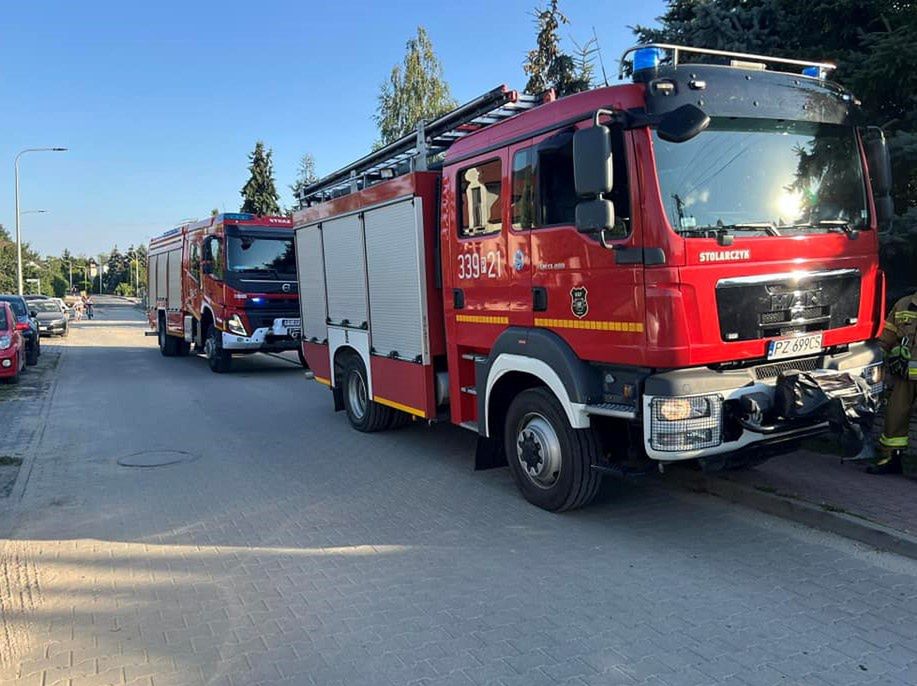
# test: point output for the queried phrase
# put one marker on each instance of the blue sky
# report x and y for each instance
(161, 102)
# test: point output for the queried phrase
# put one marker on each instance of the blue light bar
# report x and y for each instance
(647, 58)
(238, 216)
(814, 72)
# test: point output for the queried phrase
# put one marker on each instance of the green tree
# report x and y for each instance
(305, 176)
(416, 90)
(260, 192)
(871, 41)
(547, 65)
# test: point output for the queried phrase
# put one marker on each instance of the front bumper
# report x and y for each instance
(718, 432)
(275, 338)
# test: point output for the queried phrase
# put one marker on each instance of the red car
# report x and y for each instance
(12, 349)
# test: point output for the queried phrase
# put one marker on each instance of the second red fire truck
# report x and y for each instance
(225, 285)
(681, 267)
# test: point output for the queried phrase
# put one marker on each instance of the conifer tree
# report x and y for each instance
(260, 192)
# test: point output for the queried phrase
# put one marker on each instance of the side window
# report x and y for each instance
(479, 206)
(555, 180)
(620, 191)
(194, 262)
(523, 189)
(216, 257)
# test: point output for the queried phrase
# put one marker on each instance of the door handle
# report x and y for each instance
(539, 299)
(458, 298)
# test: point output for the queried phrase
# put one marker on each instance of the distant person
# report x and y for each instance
(87, 305)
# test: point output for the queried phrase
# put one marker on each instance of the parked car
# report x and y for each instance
(12, 353)
(68, 312)
(36, 296)
(52, 321)
(27, 325)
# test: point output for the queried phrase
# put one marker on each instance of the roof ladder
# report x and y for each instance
(417, 150)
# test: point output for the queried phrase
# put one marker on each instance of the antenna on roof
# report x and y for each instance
(601, 61)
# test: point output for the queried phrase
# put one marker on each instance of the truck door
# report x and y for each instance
(594, 295)
(490, 265)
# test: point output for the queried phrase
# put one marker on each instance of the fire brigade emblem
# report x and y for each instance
(519, 260)
(578, 303)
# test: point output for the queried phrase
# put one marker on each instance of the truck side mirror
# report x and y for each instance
(682, 124)
(593, 177)
(880, 174)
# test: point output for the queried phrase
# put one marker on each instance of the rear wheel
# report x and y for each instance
(219, 360)
(364, 414)
(32, 353)
(167, 343)
(551, 462)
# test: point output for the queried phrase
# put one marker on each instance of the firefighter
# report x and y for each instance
(899, 341)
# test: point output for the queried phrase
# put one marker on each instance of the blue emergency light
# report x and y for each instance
(238, 216)
(814, 72)
(647, 58)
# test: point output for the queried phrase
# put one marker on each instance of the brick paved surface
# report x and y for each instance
(293, 550)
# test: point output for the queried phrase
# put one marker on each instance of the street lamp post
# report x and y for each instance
(18, 232)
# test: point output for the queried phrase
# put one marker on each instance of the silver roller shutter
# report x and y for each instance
(397, 280)
(345, 270)
(311, 270)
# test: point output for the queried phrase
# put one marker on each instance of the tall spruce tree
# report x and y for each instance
(260, 193)
(416, 90)
(547, 65)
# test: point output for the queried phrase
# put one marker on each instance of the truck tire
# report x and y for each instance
(182, 347)
(363, 413)
(551, 462)
(219, 360)
(31, 355)
(167, 343)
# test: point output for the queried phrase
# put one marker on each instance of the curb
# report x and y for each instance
(840, 523)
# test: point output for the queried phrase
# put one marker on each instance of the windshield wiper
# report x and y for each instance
(768, 227)
(830, 224)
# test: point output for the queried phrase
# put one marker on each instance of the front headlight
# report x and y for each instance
(5, 342)
(235, 325)
(686, 423)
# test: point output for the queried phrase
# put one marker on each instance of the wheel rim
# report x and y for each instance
(210, 348)
(538, 451)
(356, 394)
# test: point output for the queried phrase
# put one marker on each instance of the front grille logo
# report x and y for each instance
(796, 300)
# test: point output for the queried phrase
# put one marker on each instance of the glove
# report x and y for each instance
(898, 357)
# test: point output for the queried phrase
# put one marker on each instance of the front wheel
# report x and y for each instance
(219, 360)
(364, 414)
(551, 462)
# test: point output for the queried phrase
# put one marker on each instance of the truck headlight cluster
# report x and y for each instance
(875, 377)
(686, 423)
(235, 325)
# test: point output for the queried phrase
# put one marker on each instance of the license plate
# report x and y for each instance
(794, 346)
(290, 323)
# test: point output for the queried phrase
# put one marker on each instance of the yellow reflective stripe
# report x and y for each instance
(322, 380)
(905, 316)
(481, 319)
(891, 327)
(893, 441)
(626, 327)
(398, 406)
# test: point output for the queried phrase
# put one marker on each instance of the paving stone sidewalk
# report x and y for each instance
(826, 480)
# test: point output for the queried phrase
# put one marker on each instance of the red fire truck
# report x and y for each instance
(680, 267)
(226, 285)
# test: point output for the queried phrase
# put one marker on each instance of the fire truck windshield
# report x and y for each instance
(251, 254)
(763, 177)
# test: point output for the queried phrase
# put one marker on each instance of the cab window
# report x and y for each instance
(213, 252)
(479, 193)
(523, 199)
(194, 261)
(555, 201)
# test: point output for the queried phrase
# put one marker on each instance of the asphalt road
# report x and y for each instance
(280, 546)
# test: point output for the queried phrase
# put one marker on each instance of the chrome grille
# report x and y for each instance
(772, 371)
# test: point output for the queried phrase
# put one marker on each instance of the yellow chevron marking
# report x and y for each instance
(590, 325)
(481, 319)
